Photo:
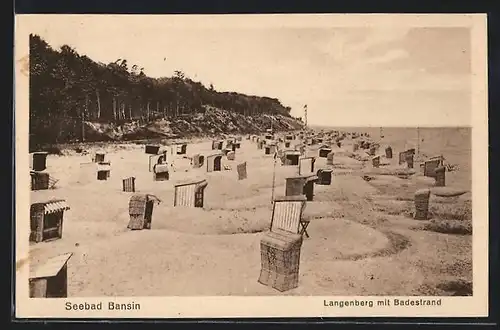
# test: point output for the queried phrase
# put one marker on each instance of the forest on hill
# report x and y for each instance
(68, 89)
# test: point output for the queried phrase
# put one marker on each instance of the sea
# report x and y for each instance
(453, 143)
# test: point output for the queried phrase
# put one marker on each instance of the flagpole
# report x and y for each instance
(418, 142)
(305, 117)
(274, 178)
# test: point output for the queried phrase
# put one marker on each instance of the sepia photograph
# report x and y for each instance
(339, 159)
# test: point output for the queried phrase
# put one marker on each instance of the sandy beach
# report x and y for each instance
(361, 232)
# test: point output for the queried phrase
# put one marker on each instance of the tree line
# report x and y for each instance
(67, 88)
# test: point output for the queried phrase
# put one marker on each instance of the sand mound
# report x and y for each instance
(350, 168)
(230, 188)
(214, 222)
(346, 161)
(400, 172)
(389, 180)
(262, 198)
(163, 263)
(447, 191)
(465, 198)
(354, 187)
(181, 165)
(457, 227)
(229, 192)
(331, 193)
(361, 156)
(459, 267)
(422, 181)
(446, 211)
(456, 287)
(332, 239)
(315, 209)
(344, 188)
(344, 171)
(393, 207)
(383, 182)
(343, 153)
(399, 188)
(384, 163)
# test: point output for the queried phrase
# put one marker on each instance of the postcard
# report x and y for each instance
(222, 166)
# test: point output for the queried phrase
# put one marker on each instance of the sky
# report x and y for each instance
(368, 73)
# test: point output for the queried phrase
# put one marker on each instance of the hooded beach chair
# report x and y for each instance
(280, 247)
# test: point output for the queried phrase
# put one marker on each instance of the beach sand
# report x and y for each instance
(363, 239)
